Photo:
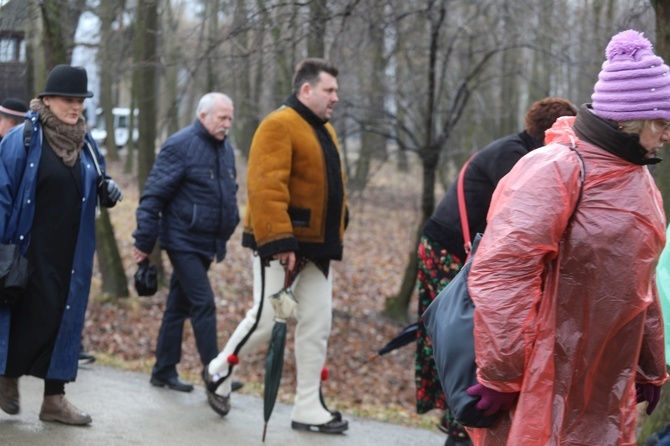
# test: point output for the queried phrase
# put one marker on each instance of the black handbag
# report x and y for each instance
(15, 274)
(146, 282)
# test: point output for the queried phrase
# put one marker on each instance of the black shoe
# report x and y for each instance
(174, 383)
(9, 395)
(334, 426)
(236, 385)
(85, 358)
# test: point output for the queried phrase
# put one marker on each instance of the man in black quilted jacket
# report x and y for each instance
(189, 203)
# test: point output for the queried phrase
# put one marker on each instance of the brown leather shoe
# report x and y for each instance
(57, 408)
(9, 395)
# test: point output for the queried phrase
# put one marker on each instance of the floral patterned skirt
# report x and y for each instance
(437, 268)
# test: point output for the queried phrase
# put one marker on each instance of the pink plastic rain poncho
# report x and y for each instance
(570, 319)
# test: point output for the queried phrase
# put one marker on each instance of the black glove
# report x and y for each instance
(113, 191)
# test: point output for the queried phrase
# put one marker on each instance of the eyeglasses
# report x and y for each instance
(665, 125)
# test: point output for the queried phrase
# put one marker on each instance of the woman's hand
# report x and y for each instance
(491, 401)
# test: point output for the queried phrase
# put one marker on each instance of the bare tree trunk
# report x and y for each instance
(396, 307)
(114, 282)
(212, 17)
(250, 79)
(60, 19)
(373, 145)
(36, 62)
(144, 86)
(145, 74)
(511, 65)
(106, 61)
(316, 39)
(171, 70)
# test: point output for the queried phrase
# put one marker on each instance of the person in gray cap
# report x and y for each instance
(49, 188)
(12, 113)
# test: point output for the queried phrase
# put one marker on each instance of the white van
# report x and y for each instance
(121, 124)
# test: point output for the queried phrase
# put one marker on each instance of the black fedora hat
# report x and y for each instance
(13, 108)
(65, 80)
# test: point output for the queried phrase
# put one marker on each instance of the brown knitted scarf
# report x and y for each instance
(65, 140)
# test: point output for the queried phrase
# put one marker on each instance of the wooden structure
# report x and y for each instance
(13, 61)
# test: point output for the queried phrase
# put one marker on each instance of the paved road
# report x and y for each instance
(127, 410)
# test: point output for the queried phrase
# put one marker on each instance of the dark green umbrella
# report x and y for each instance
(283, 302)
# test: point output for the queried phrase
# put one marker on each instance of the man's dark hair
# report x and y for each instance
(308, 70)
(543, 113)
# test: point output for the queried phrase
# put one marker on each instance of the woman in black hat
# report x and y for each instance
(49, 188)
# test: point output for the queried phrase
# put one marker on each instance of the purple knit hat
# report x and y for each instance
(634, 83)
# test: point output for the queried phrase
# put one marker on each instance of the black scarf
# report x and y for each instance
(604, 133)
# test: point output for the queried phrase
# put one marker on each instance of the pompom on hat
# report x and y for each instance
(634, 83)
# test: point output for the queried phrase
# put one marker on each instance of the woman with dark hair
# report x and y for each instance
(441, 250)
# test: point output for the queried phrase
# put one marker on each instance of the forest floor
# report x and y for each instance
(384, 218)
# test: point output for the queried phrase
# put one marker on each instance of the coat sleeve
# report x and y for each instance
(161, 185)
(529, 212)
(12, 164)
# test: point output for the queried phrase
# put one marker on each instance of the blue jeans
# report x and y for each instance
(190, 296)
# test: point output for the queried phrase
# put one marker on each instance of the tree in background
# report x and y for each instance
(421, 81)
(54, 29)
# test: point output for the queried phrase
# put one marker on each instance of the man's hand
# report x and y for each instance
(139, 255)
(287, 259)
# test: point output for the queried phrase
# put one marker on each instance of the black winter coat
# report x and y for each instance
(481, 178)
(189, 199)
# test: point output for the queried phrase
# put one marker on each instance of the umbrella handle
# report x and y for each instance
(287, 277)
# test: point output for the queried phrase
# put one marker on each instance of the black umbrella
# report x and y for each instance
(284, 303)
(407, 335)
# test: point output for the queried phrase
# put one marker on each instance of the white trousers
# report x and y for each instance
(313, 292)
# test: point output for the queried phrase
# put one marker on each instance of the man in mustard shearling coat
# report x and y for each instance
(295, 220)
